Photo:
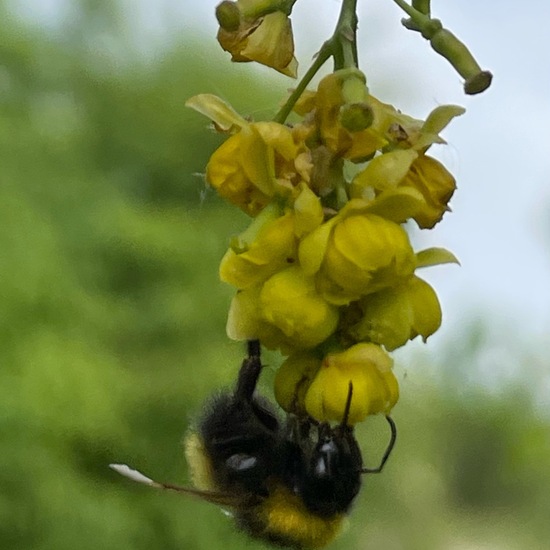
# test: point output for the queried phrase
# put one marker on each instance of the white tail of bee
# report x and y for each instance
(134, 475)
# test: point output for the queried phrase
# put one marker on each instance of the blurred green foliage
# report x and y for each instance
(112, 323)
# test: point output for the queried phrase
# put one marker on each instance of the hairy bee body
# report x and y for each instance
(261, 469)
(294, 480)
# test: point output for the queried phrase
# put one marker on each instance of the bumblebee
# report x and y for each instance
(290, 483)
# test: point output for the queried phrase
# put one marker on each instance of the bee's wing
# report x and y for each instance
(221, 499)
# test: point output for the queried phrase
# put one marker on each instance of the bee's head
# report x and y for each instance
(333, 476)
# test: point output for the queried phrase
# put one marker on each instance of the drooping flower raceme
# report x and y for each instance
(326, 272)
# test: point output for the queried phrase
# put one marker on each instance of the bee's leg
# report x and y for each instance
(249, 373)
(388, 450)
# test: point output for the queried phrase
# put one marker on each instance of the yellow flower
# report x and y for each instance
(293, 379)
(285, 313)
(266, 39)
(290, 302)
(266, 247)
(395, 315)
(356, 254)
(406, 168)
(244, 169)
(437, 186)
(374, 386)
(367, 253)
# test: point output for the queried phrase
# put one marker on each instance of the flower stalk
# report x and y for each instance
(445, 43)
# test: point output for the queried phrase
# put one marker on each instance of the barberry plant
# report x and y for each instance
(325, 272)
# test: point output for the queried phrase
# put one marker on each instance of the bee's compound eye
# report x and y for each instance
(241, 462)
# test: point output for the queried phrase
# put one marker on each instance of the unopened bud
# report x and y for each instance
(356, 116)
(228, 15)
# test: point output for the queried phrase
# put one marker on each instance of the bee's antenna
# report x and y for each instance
(250, 371)
(389, 449)
(348, 405)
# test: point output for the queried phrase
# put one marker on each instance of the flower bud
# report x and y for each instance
(228, 15)
(355, 117)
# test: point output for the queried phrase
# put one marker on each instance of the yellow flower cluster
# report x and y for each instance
(326, 272)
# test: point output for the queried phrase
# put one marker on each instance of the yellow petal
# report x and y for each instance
(437, 186)
(290, 302)
(308, 211)
(292, 380)
(243, 320)
(279, 137)
(258, 160)
(367, 253)
(397, 205)
(227, 176)
(441, 116)
(272, 44)
(217, 110)
(426, 308)
(374, 387)
(435, 256)
(312, 248)
(273, 249)
(384, 171)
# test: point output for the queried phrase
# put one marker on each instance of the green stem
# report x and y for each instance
(324, 53)
(345, 55)
(418, 17)
(422, 6)
(341, 45)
